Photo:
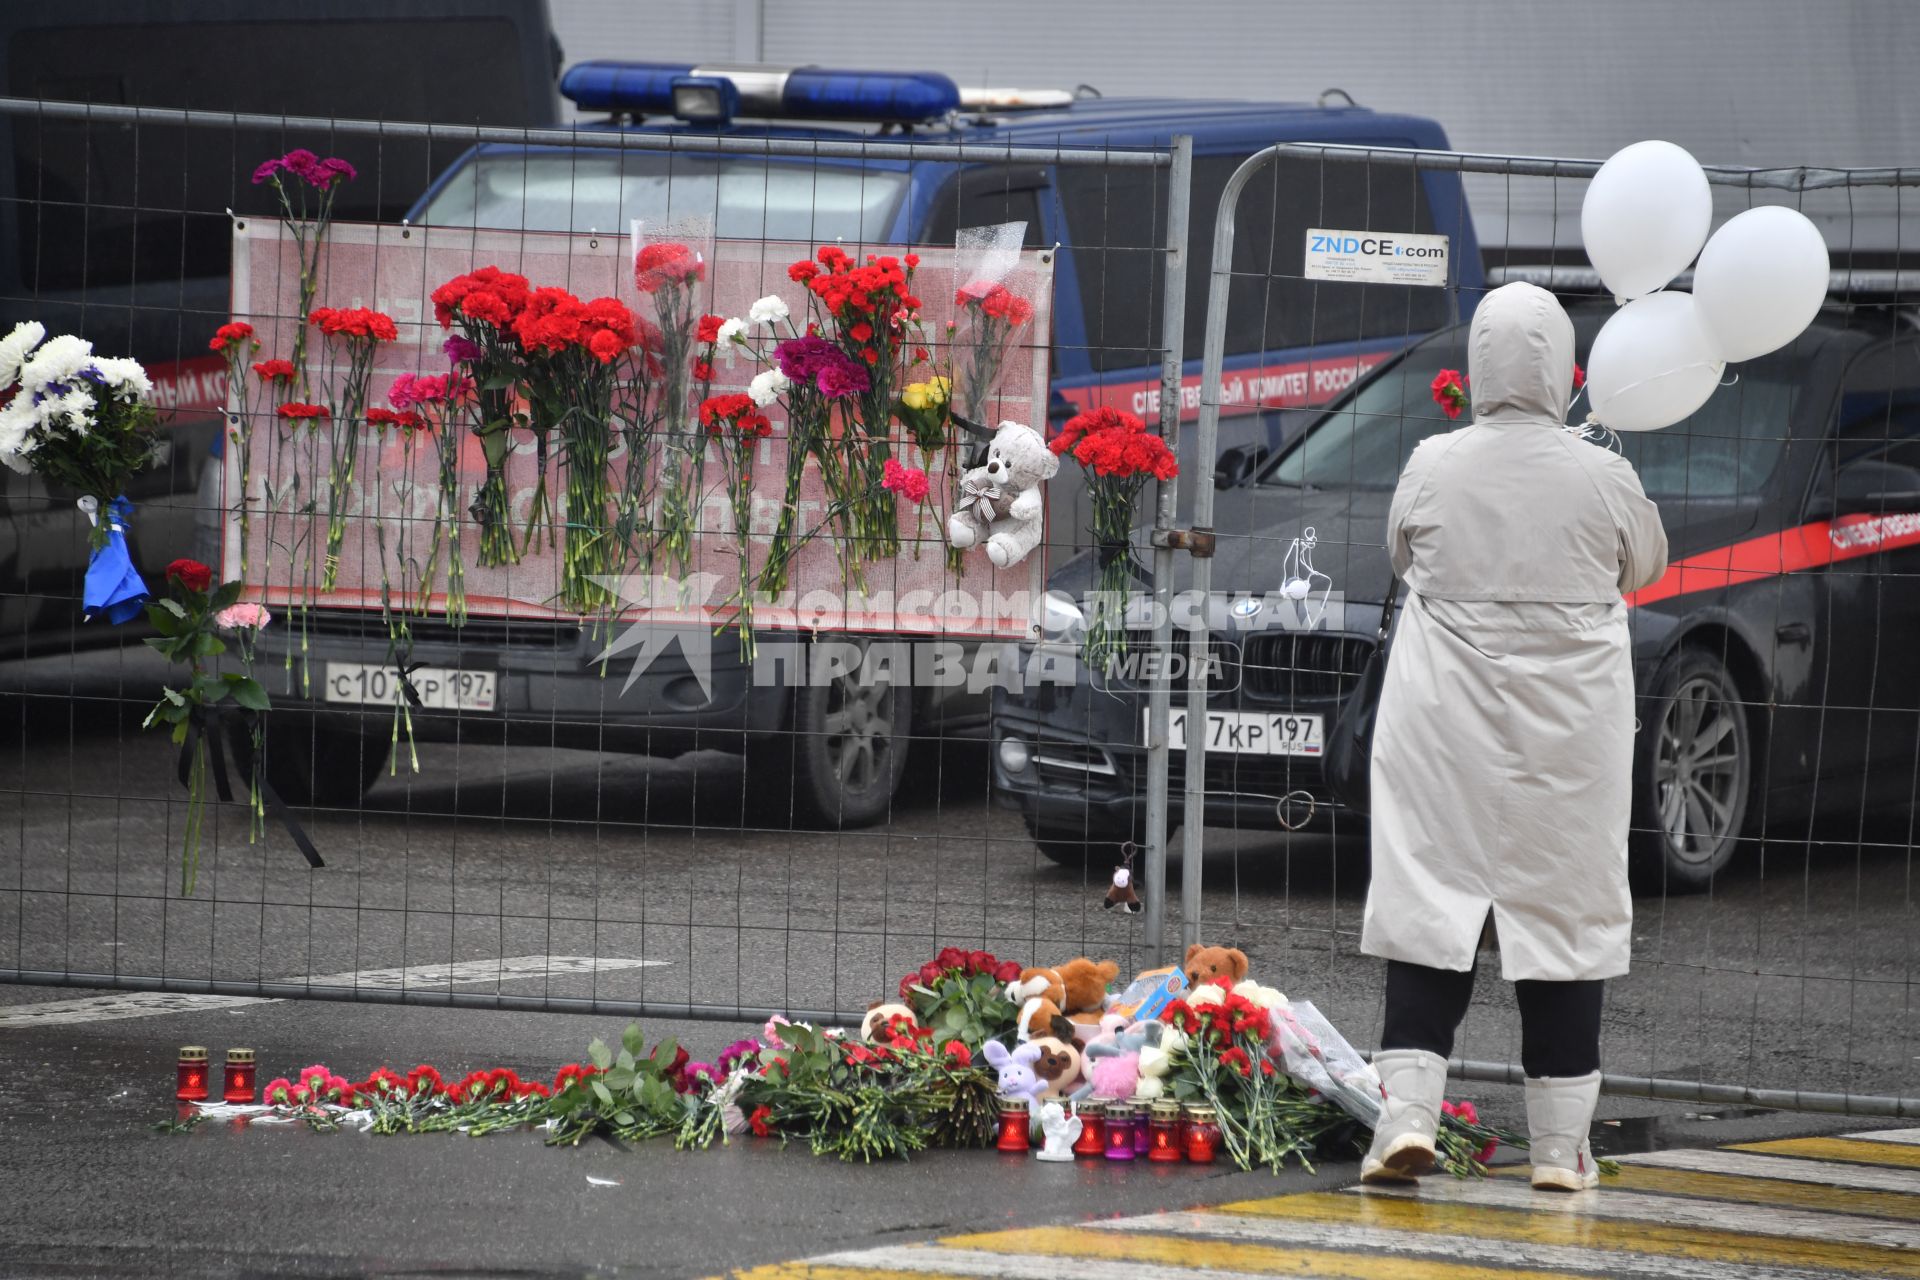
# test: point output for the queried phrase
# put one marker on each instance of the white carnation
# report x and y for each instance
(769, 310)
(61, 359)
(768, 387)
(127, 377)
(14, 347)
(730, 331)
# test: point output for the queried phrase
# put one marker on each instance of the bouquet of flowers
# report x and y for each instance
(305, 185)
(817, 382)
(83, 422)
(1119, 456)
(991, 313)
(962, 995)
(637, 413)
(669, 267)
(353, 333)
(191, 619)
(737, 422)
(484, 305)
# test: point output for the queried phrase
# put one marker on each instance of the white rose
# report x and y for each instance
(1265, 997)
(730, 331)
(1207, 993)
(768, 387)
(769, 310)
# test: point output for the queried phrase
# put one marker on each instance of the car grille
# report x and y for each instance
(1282, 666)
(1070, 762)
(507, 633)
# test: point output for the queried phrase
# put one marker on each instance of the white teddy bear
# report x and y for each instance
(1002, 504)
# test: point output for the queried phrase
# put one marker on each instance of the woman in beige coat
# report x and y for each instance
(1503, 752)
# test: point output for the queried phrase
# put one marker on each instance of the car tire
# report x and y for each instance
(1087, 849)
(319, 765)
(1693, 772)
(840, 759)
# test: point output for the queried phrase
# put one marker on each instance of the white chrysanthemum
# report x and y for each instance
(769, 310)
(14, 347)
(731, 330)
(72, 409)
(768, 387)
(128, 378)
(60, 359)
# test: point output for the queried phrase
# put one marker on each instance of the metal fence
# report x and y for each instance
(558, 851)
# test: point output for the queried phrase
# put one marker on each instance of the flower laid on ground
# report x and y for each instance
(964, 994)
(190, 620)
(1119, 456)
(1467, 1114)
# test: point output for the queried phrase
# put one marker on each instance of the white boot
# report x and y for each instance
(1415, 1083)
(1559, 1112)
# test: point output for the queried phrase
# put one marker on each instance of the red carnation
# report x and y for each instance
(190, 574)
(274, 370)
(761, 1122)
(702, 371)
(708, 330)
(231, 335)
(961, 1055)
(1579, 377)
(294, 410)
(1449, 392)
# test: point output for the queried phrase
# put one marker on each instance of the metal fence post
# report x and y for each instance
(1173, 321)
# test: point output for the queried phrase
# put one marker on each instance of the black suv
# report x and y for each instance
(1773, 661)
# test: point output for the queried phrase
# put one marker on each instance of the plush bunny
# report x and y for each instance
(1018, 1079)
(1002, 503)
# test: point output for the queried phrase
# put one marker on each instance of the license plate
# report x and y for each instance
(1254, 733)
(440, 688)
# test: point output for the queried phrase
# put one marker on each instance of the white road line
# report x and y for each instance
(1677, 1211)
(1020, 1266)
(1908, 1137)
(1748, 1164)
(1297, 1233)
(147, 1004)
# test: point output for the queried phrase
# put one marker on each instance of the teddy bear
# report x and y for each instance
(881, 1014)
(1058, 1066)
(1222, 966)
(1001, 503)
(1044, 994)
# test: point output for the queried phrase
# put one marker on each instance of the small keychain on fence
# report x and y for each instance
(1122, 893)
(1301, 583)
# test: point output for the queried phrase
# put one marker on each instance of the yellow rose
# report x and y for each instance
(938, 389)
(915, 397)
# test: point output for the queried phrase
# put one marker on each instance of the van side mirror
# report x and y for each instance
(1872, 487)
(1239, 464)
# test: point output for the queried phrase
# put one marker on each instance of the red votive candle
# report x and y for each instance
(191, 1076)
(1163, 1133)
(240, 1069)
(1093, 1130)
(1013, 1125)
(1203, 1135)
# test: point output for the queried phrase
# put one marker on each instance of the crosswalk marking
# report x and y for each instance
(147, 1004)
(1841, 1208)
(1470, 1240)
(1846, 1150)
(1747, 1164)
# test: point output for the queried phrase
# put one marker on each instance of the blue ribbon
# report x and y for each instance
(114, 590)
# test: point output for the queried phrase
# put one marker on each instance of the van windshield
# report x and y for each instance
(1729, 448)
(746, 198)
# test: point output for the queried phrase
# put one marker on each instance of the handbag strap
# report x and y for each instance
(1386, 610)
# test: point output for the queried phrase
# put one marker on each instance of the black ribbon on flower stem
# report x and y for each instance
(1111, 550)
(234, 727)
(405, 671)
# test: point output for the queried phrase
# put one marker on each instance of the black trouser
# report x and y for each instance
(1559, 1021)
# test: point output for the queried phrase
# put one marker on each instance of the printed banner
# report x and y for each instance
(1377, 257)
(394, 491)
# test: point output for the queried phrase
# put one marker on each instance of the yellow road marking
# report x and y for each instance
(1731, 1187)
(1221, 1255)
(1849, 1150)
(811, 1271)
(1524, 1227)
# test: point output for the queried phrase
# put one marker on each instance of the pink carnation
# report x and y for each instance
(242, 617)
(910, 482)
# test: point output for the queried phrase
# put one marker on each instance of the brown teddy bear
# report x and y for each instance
(1058, 1066)
(1048, 993)
(1222, 965)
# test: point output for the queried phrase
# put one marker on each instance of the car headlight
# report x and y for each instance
(1060, 617)
(1014, 755)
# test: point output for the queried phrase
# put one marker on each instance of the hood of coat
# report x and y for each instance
(1520, 357)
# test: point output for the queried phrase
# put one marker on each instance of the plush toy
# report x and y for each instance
(1112, 1065)
(1061, 1130)
(1044, 994)
(1222, 966)
(1015, 1068)
(882, 1013)
(1058, 1065)
(1001, 503)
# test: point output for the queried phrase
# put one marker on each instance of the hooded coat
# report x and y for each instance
(1503, 752)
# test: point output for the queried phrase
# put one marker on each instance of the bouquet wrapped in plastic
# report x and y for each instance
(1319, 1057)
(993, 304)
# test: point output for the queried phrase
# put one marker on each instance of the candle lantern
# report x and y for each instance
(1093, 1130)
(240, 1076)
(1142, 1109)
(1013, 1125)
(190, 1078)
(1163, 1132)
(1121, 1119)
(1203, 1135)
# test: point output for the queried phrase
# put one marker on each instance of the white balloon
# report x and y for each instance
(1652, 364)
(1761, 280)
(1645, 216)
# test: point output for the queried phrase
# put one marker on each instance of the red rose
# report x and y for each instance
(190, 574)
(980, 962)
(951, 958)
(1579, 377)
(931, 972)
(961, 1055)
(1007, 972)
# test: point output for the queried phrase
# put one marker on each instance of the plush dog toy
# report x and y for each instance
(1001, 503)
(1222, 966)
(1058, 1065)
(1045, 994)
(1015, 1069)
(882, 1013)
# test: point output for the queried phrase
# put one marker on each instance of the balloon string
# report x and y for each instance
(1673, 373)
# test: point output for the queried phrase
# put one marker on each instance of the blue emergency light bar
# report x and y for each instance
(715, 94)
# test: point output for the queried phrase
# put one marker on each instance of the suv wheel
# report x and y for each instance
(1086, 849)
(316, 764)
(1693, 767)
(843, 755)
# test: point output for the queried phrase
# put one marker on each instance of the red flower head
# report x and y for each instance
(294, 411)
(708, 330)
(406, 421)
(1579, 377)
(761, 1122)
(232, 335)
(1450, 392)
(666, 263)
(802, 271)
(1236, 1059)
(1467, 1113)
(912, 260)
(355, 322)
(932, 971)
(190, 574)
(960, 1055)
(1007, 971)
(951, 958)
(274, 370)
(424, 1081)
(981, 962)
(702, 371)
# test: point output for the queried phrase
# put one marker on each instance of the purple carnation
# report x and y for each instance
(843, 377)
(302, 163)
(738, 1051)
(267, 169)
(462, 350)
(801, 359)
